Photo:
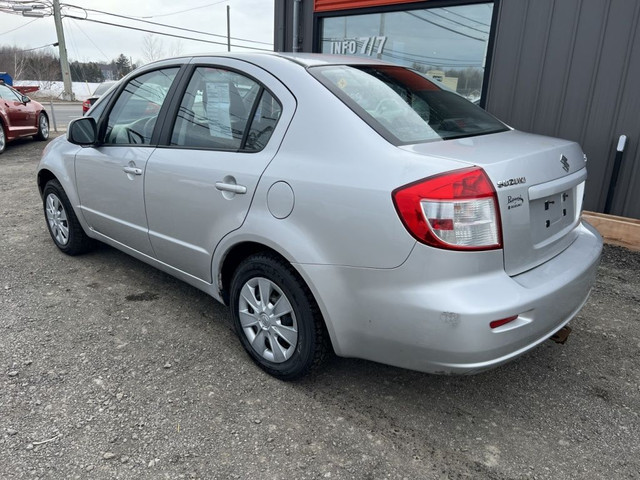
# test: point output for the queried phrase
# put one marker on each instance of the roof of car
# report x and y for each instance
(304, 59)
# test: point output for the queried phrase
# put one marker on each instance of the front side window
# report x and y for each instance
(134, 115)
(225, 110)
(404, 106)
(8, 94)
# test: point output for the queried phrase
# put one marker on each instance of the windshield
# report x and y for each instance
(103, 87)
(404, 106)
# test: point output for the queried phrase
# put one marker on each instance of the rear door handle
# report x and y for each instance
(132, 170)
(231, 187)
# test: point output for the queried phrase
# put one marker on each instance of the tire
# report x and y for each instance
(63, 225)
(285, 345)
(43, 127)
(3, 138)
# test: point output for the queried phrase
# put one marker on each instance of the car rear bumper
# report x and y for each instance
(432, 314)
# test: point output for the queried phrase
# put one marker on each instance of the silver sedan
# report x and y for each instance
(333, 203)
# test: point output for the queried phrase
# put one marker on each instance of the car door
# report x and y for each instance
(228, 125)
(110, 178)
(16, 111)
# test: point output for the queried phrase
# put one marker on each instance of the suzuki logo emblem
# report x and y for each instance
(565, 163)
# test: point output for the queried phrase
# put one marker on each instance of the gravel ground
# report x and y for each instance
(111, 369)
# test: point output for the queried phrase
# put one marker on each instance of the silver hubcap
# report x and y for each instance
(44, 126)
(268, 320)
(57, 218)
(1, 138)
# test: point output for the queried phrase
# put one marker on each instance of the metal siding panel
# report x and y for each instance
(584, 65)
(626, 202)
(556, 67)
(506, 54)
(603, 105)
(530, 62)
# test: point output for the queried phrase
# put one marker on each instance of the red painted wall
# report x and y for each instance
(332, 5)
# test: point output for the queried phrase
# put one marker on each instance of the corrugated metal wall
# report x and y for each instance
(571, 69)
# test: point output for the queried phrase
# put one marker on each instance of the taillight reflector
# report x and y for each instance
(455, 210)
(504, 321)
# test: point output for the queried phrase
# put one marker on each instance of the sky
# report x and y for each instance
(90, 41)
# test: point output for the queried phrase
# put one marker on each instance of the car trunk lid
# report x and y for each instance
(539, 183)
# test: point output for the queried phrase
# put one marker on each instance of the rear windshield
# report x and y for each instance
(404, 106)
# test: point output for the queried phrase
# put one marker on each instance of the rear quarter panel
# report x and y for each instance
(342, 174)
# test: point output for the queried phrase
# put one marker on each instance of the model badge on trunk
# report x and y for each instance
(514, 202)
(565, 163)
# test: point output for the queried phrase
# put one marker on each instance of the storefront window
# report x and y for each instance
(447, 43)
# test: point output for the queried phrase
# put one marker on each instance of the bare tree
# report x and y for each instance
(175, 48)
(152, 48)
(19, 66)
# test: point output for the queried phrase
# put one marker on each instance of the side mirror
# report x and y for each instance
(25, 99)
(83, 131)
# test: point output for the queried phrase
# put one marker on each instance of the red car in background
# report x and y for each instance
(20, 117)
(100, 89)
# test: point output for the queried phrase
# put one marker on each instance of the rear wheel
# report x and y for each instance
(276, 317)
(43, 127)
(63, 225)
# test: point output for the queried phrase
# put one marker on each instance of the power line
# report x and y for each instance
(466, 18)
(165, 25)
(36, 48)
(14, 29)
(458, 23)
(165, 34)
(89, 38)
(183, 11)
(446, 28)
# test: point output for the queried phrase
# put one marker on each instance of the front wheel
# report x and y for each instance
(3, 138)
(43, 127)
(63, 225)
(276, 317)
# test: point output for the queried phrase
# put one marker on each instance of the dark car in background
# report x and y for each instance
(20, 117)
(99, 91)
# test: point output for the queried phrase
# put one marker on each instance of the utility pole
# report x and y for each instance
(67, 93)
(228, 28)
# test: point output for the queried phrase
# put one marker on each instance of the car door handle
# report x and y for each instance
(231, 187)
(132, 170)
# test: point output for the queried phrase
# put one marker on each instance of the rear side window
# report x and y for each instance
(404, 106)
(225, 110)
(264, 121)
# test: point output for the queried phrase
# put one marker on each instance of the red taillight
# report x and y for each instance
(504, 321)
(86, 105)
(455, 210)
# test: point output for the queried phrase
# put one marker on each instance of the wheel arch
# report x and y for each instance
(44, 176)
(237, 253)
(3, 125)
